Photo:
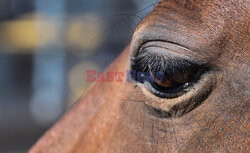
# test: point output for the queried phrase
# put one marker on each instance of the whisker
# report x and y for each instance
(124, 19)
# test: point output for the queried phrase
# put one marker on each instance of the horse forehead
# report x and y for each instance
(193, 4)
(205, 10)
(197, 24)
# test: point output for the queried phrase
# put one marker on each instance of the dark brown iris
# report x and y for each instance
(178, 78)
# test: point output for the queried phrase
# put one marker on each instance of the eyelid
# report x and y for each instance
(181, 105)
(176, 48)
(166, 48)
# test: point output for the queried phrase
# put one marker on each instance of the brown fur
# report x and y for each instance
(112, 117)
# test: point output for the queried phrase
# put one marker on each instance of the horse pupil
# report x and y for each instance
(173, 81)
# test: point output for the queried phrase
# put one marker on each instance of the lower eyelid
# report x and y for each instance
(168, 93)
(197, 93)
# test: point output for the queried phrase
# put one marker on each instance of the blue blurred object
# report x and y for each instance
(47, 102)
(45, 48)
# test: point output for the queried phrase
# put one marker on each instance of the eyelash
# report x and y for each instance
(147, 62)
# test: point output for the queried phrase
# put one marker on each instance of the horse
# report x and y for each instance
(198, 103)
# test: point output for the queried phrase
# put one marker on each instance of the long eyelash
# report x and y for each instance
(147, 62)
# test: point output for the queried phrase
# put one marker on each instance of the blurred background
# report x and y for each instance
(46, 46)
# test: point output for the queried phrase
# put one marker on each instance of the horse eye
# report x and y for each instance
(169, 76)
(174, 85)
(177, 78)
